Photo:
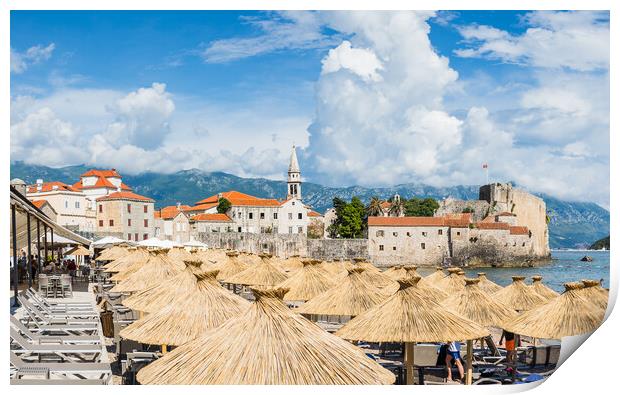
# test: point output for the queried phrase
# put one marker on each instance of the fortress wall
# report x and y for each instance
(531, 211)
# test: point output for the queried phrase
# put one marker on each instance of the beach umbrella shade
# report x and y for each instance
(158, 268)
(593, 291)
(519, 296)
(370, 268)
(135, 255)
(542, 289)
(290, 264)
(112, 253)
(434, 277)
(487, 285)
(78, 251)
(212, 256)
(336, 268)
(249, 258)
(453, 283)
(228, 266)
(263, 273)
(202, 306)
(306, 283)
(169, 291)
(409, 316)
(432, 291)
(396, 272)
(375, 277)
(268, 344)
(179, 254)
(569, 314)
(351, 296)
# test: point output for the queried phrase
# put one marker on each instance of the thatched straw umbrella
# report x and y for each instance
(519, 296)
(593, 291)
(542, 289)
(249, 259)
(229, 266)
(453, 283)
(132, 256)
(166, 292)
(158, 268)
(487, 285)
(475, 304)
(431, 291)
(263, 273)
(212, 256)
(434, 277)
(289, 265)
(408, 317)
(351, 296)
(375, 277)
(203, 306)
(395, 272)
(112, 253)
(370, 268)
(337, 268)
(570, 314)
(179, 254)
(268, 344)
(308, 282)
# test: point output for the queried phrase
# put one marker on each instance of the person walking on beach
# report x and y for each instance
(454, 354)
(510, 345)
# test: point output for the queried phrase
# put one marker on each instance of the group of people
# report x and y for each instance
(30, 266)
(26, 266)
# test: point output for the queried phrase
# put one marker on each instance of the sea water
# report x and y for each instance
(565, 266)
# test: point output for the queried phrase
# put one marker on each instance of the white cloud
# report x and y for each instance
(360, 61)
(20, 61)
(572, 40)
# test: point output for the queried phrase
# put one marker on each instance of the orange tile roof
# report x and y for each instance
(201, 207)
(170, 212)
(489, 219)
(211, 218)
(506, 214)
(49, 186)
(39, 203)
(406, 221)
(460, 220)
(519, 230)
(101, 173)
(125, 196)
(313, 213)
(241, 199)
(493, 225)
(385, 205)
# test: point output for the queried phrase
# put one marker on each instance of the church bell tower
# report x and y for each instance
(294, 177)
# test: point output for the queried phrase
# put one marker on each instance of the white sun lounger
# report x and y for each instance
(57, 382)
(68, 352)
(32, 294)
(40, 337)
(67, 370)
(89, 315)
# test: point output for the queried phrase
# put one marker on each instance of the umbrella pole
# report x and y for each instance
(409, 366)
(164, 348)
(470, 351)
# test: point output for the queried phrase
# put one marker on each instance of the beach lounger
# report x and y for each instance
(39, 315)
(55, 306)
(57, 382)
(80, 370)
(47, 337)
(67, 352)
(86, 315)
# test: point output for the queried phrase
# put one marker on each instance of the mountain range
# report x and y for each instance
(572, 225)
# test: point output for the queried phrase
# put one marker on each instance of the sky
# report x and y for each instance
(369, 98)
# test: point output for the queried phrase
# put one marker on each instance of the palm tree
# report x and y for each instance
(374, 207)
(397, 208)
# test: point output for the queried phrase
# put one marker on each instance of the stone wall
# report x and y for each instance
(344, 249)
(455, 206)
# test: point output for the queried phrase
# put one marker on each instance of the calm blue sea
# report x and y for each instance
(564, 267)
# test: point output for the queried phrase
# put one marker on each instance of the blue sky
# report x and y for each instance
(371, 98)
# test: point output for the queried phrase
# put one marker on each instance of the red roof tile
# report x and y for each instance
(313, 213)
(125, 196)
(201, 207)
(406, 221)
(241, 199)
(519, 230)
(49, 186)
(39, 203)
(211, 218)
(101, 173)
(493, 225)
(170, 212)
(461, 220)
(506, 214)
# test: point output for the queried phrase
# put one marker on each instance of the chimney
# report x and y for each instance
(54, 187)
(178, 205)
(219, 195)
(118, 189)
(19, 185)
(39, 184)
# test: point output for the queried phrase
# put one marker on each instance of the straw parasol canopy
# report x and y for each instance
(453, 283)
(410, 316)
(375, 277)
(79, 250)
(112, 253)
(158, 268)
(434, 277)
(395, 272)
(593, 291)
(134, 255)
(269, 344)
(542, 289)
(229, 265)
(290, 264)
(570, 314)
(308, 282)
(336, 268)
(249, 259)
(370, 268)
(350, 297)
(475, 304)
(168, 291)
(263, 273)
(519, 296)
(487, 285)
(179, 254)
(203, 306)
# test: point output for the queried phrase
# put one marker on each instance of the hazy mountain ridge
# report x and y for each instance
(573, 224)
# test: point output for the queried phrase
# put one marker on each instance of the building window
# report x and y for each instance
(300, 229)
(250, 216)
(275, 215)
(275, 229)
(395, 234)
(262, 229)
(111, 222)
(101, 208)
(234, 214)
(380, 233)
(77, 204)
(129, 208)
(300, 216)
(290, 216)
(128, 221)
(101, 223)
(458, 233)
(128, 236)
(424, 234)
(66, 204)
(145, 236)
(440, 231)
(290, 230)
(239, 229)
(146, 208)
(293, 202)
(523, 245)
(408, 234)
(135, 236)
(262, 215)
(146, 223)
(380, 247)
(423, 246)
(394, 248)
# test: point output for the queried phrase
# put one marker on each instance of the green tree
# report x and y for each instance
(223, 205)
(418, 207)
(374, 208)
(350, 219)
